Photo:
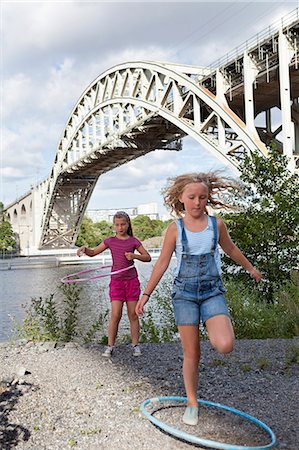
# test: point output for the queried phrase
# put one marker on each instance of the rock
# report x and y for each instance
(21, 371)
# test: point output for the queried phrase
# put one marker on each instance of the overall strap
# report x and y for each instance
(215, 237)
(183, 237)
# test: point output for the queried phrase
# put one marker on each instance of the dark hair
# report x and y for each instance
(124, 215)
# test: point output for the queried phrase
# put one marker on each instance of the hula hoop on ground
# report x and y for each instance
(205, 442)
(68, 279)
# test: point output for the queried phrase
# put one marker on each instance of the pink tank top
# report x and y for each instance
(118, 248)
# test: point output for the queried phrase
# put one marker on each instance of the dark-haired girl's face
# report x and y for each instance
(121, 226)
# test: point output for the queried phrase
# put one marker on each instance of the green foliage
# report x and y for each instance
(7, 236)
(71, 302)
(96, 327)
(45, 322)
(158, 324)
(149, 330)
(49, 321)
(41, 322)
(105, 229)
(144, 227)
(292, 356)
(267, 227)
(255, 319)
(252, 317)
(91, 234)
(31, 328)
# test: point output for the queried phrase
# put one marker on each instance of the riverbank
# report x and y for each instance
(61, 396)
(38, 262)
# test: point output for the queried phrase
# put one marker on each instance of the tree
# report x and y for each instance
(144, 227)
(104, 229)
(7, 236)
(266, 228)
(92, 234)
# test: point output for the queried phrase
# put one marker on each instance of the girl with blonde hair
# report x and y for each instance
(198, 293)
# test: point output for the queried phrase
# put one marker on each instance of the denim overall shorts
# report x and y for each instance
(198, 293)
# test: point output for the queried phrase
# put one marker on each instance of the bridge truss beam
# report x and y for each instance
(135, 108)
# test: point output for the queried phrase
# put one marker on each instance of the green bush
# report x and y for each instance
(158, 324)
(45, 320)
(253, 318)
(266, 225)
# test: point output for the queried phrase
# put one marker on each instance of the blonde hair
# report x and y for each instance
(216, 185)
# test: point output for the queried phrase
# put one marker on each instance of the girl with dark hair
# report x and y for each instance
(124, 287)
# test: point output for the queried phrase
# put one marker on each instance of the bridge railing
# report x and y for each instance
(256, 40)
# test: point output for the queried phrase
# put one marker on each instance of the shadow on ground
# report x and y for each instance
(11, 433)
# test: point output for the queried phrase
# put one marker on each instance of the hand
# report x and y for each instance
(129, 256)
(81, 251)
(255, 274)
(140, 305)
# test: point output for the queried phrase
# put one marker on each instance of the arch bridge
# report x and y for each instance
(138, 107)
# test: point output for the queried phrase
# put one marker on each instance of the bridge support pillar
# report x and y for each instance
(286, 53)
(221, 87)
(250, 73)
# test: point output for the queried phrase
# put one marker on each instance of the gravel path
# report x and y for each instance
(69, 396)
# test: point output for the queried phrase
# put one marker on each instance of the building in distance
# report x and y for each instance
(147, 209)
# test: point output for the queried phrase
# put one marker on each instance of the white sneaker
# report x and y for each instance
(108, 351)
(190, 416)
(136, 350)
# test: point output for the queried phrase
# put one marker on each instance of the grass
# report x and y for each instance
(252, 316)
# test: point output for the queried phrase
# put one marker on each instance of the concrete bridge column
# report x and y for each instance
(250, 73)
(286, 53)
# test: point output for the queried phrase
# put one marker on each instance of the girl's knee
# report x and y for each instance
(133, 317)
(221, 333)
(224, 345)
(192, 354)
(115, 317)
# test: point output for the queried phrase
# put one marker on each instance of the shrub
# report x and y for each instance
(46, 320)
(255, 319)
(158, 324)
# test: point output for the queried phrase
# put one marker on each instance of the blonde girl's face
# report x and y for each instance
(195, 198)
(121, 226)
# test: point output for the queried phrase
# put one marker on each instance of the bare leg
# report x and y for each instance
(189, 335)
(116, 313)
(134, 322)
(221, 333)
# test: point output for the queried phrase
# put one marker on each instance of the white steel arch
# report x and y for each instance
(128, 111)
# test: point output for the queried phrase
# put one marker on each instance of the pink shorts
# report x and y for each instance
(124, 290)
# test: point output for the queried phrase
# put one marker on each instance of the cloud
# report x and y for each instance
(143, 172)
(17, 92)
(26, 149)
(51, 52)
(11, 173)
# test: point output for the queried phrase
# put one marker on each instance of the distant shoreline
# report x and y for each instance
(37, 261)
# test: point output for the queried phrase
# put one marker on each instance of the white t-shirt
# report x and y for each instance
(199, 243)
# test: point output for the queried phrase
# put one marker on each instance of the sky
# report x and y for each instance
(52, 50)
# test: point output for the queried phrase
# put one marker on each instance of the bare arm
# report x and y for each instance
(142, 256)
(160, 266)
(234, 252)
(92, 251)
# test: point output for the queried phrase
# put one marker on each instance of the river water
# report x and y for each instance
(19, 286)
